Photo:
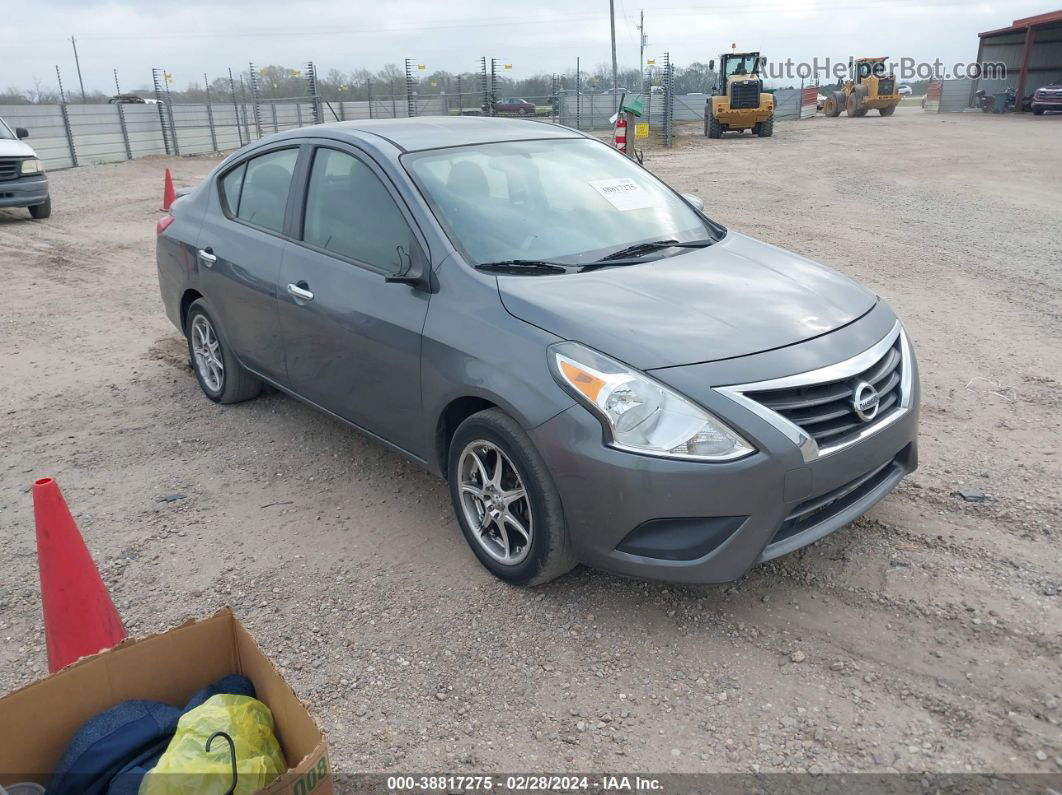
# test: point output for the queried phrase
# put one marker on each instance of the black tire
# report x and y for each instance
(715, 128)
(834, 104)
(41, 211)
(236, 384)
(525, 112)
(765, 129)
(549, 553)
(1038, 111)
(891, 109)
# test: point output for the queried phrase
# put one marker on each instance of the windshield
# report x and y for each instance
(5, 131)
(573, 200)
(742, 64)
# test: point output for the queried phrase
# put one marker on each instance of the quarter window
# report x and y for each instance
(263, 197)
(350, 213)
(231, 185)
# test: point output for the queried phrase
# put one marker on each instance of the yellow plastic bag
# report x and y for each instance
(187, 769)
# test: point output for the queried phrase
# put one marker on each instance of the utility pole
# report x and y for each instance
(642, 41)
(615, 67)
(77, 63)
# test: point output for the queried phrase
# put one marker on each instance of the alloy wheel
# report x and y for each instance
(207, 352)
(495, 502)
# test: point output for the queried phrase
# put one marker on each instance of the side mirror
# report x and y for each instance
(21, 132)
(696, 201)
(414, 269)
(711, 64)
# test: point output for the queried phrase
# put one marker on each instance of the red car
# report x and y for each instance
(514, 105)
(1047, 98)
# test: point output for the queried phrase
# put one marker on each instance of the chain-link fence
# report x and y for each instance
(66, 134)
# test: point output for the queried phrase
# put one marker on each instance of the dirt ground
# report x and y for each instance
(924, 637)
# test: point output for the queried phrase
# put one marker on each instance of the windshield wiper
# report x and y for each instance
(523, 266)
(647, 248)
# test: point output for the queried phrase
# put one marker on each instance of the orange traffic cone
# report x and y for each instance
(168, 193)
(79, 616)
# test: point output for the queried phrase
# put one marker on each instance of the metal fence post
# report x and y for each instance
(276, 127)
(66, 118)
(411, 102)
(298, 112)
(210, 114)
(254, 99)
(235, 107)
(169, 112)
(315, 97)
(486, 105)
(161, 104)
(121, 120)
(578, 96)
(368, 88)
(669, 99)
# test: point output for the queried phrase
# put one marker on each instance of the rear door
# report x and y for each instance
(352, 340)
(240, 251)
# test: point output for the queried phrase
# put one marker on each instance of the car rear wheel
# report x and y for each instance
(505, 501)
(1038, 111)
(219, 374)
(41, 211)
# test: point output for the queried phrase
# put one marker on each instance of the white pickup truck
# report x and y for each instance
(22, 179)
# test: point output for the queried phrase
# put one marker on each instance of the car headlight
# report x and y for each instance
(639, 414)
(32, 165)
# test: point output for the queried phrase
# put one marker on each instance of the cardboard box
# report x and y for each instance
(37, 721)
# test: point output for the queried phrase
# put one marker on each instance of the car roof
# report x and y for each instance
(435, 132)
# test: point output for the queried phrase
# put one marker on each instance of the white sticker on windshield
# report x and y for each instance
(623, 193)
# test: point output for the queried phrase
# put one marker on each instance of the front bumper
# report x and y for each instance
(712, 522)
(24, 191)
(1047, 104)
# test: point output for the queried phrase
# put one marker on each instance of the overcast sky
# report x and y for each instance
(190, 37)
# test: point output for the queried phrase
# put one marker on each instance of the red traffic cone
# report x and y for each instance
(168, 193)
(79, 617)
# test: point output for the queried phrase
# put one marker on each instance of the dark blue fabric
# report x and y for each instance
(113, 750)
(105, 744)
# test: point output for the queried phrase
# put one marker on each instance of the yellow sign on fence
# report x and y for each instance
(641, 129)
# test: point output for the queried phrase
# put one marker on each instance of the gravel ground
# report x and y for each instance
(923, 637)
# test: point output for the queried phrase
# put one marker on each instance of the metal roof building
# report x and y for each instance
(1031, 49)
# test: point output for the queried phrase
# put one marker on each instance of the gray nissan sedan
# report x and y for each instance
(602, 373)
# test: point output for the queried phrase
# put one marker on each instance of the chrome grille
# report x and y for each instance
(826, 411)
(9, 167)
(817, 409)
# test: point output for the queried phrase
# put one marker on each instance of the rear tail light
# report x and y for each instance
(163, 223)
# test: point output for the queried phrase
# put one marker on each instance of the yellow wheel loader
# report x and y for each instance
(868, 87)
(738, 101)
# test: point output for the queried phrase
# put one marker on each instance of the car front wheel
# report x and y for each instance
(505, 501)
(216, 368)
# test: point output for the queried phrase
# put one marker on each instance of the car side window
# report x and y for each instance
(349, 212)
(231, 185)
(264, 196)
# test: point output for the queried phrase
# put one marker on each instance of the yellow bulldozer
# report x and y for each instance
(867, 88)
(738, 101)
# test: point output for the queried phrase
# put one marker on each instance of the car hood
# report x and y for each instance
(13, 148)
(734, 298)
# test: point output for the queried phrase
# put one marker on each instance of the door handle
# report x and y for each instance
(207, 256)
(300, 292)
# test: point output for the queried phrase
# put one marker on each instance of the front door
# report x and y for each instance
(352, 340)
